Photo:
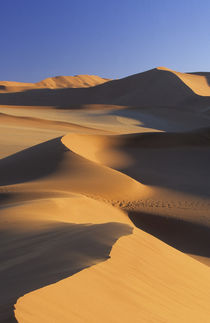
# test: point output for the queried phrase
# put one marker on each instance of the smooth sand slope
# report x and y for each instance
(20, 132)
(128, 287)
(105, 210)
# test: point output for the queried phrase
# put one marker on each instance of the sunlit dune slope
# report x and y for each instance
(51, 165)
(158, 87)
(94, 147)
(144, 280)
(146, 173)
(77, 81)
(9, 86)
(52, 239)
(174, 168)
(178, 161)
(21, 132)
(197, 82)
(46, 240)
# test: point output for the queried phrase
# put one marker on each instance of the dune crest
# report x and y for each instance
(77, 81)
(159, 87)
(199, 84)
(127, 287)
(57, 82)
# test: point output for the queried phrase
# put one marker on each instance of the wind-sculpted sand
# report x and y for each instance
(57, 82)
(104, 191)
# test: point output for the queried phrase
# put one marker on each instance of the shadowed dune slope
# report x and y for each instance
(84, 164)
(51, 165)
(158, 87)
(40, 244)
(178, 161)
(21, 132)
(197, 82)
(175, 161)
(144, 281)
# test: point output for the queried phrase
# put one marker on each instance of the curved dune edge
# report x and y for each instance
(166, 165)
(28, 131)
(52, 166)
(82, 164)
(110, 150)
(101, 149)
(184, 211)
(127, 287)
(197, 83)
(51, 239)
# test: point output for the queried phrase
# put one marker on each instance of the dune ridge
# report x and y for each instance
(197, 82)
(57, 82)
(76, 81)
(135, 294)
(157, 87)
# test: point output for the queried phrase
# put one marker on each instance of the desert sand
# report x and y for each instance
(105, 199)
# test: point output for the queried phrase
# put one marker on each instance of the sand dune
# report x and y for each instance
(28, 131)
(33, 235)
(143, 281)
(157, 87)
(9, 86)
(104, 191)
(172, 160)
(52, 164)
(197, 82)
(158, 160)
(77, 81)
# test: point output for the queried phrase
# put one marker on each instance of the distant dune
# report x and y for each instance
(157, 87)
(77, 81)
(57, 82)
(105, 199)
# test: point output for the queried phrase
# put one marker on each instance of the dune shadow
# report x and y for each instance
(154, 87)
(164, 118)
(181, 170)
(176, 161)
(31, 163)
(33, 259)
(186, 236)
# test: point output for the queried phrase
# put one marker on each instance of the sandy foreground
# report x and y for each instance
(104, 191)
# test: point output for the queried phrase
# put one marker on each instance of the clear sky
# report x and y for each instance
(110, 38)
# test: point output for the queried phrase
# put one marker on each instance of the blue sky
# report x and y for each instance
(110, 38)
